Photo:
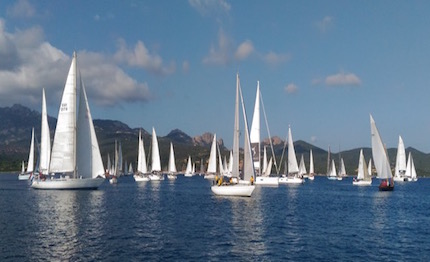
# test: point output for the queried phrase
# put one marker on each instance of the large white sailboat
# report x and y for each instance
(141, 170)
(155, 174)
(245, 186)
(263, 173)
(293, 176)
(400, 169)
(75, 151)
(171, 167)
(30, 164)
(363, 176)
(380, 157)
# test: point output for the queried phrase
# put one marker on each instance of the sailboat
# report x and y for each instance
(75, 151)
(189, 169)
(130, 169)
(293, 176)
(411, 173)
(115, 170)
(155, 174)
(30, 164)
(302, 167)
(142, 170)
(311, 166)
(342, 170)
(211, 171)
(171, 168)
(380, 157)
(331, 167)
(263, 176)
(400, 169)
(245, 186)
(363, 176)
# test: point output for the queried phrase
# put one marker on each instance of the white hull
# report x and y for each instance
(68, 183)
(209, 176)
(233, 190)
(139, 178)
(156, 177)
(291, 180)
(171, 177)
(362, 183)
(188, 175)
(311, 177)
(339, 178)
(332, 178)
(400, 179)
(113, 180)
(23, 176)
(266, 180)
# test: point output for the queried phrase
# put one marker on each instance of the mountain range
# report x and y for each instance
(17, 121)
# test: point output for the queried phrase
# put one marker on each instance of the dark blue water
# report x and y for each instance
(182, 220)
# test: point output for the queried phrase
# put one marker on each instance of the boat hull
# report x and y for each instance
(23, 176)
(291, 180)
(67, 183)
(209, 176)
(156, 177)
(311, 177)
(385, 186)
(362, 182)
(265, 180)
(233, 190)
(139, 178)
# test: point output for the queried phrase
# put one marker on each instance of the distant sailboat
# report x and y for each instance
(30, 164)
(411, 173)
(380, 157)
(331, 167)
(400, 169)
(189, 169)
(293, 176)
(342, 170)
(171, 168)
(245, 186)
(363, 176)
(75, 151)
(211, 171)
(155, 159)
(302, 167)
(311, 166)
(141, 170)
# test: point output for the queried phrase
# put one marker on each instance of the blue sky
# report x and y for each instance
(323, 66)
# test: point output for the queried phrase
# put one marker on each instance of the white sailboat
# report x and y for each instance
(311, 166)
(363, 176)
(380, 157)
(245, 186)
(156, 174)
(171, 167)
(130, 169)
(263, 175)
(293, 176)
(75, 151)
(369, 167)
(342, 170)
(115, 170)
(30, 164)
(331, 167)
(302, 167)
(211, 171)
(400, 169)
(411, 173)
(142, 170)
(189, 169)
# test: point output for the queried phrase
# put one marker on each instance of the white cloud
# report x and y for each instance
(21, 9)
(291, 88)
(221, 53)
(29, 63)
(342, 79)
(140, 56)
(273, 58)
(244, 50)
(325, 23)
(208, 7)
(185, 66)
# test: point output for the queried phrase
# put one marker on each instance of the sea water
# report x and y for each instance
(182, 220)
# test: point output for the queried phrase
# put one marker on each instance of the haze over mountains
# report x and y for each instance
(17, 121)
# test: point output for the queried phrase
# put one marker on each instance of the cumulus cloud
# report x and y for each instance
(291, 88)
(273, 58)
(21, 9)
(208, 7)
(244, 50)
(325, 23)
(342, 79)
(29, 63)
(219, 54)
(140, 56)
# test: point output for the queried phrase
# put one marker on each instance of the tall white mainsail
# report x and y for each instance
(89, 159)
(255, 132)
(63, 156)
(141, 157)
(171, 166)
(302, 166)
(293, 167)
(380, 157)
(235, 169)
(45, 139)
(311, 163)
(363, 172)
(30, 164)
(212, 157)
(400, 168)
(156, 162)
(248, 166)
